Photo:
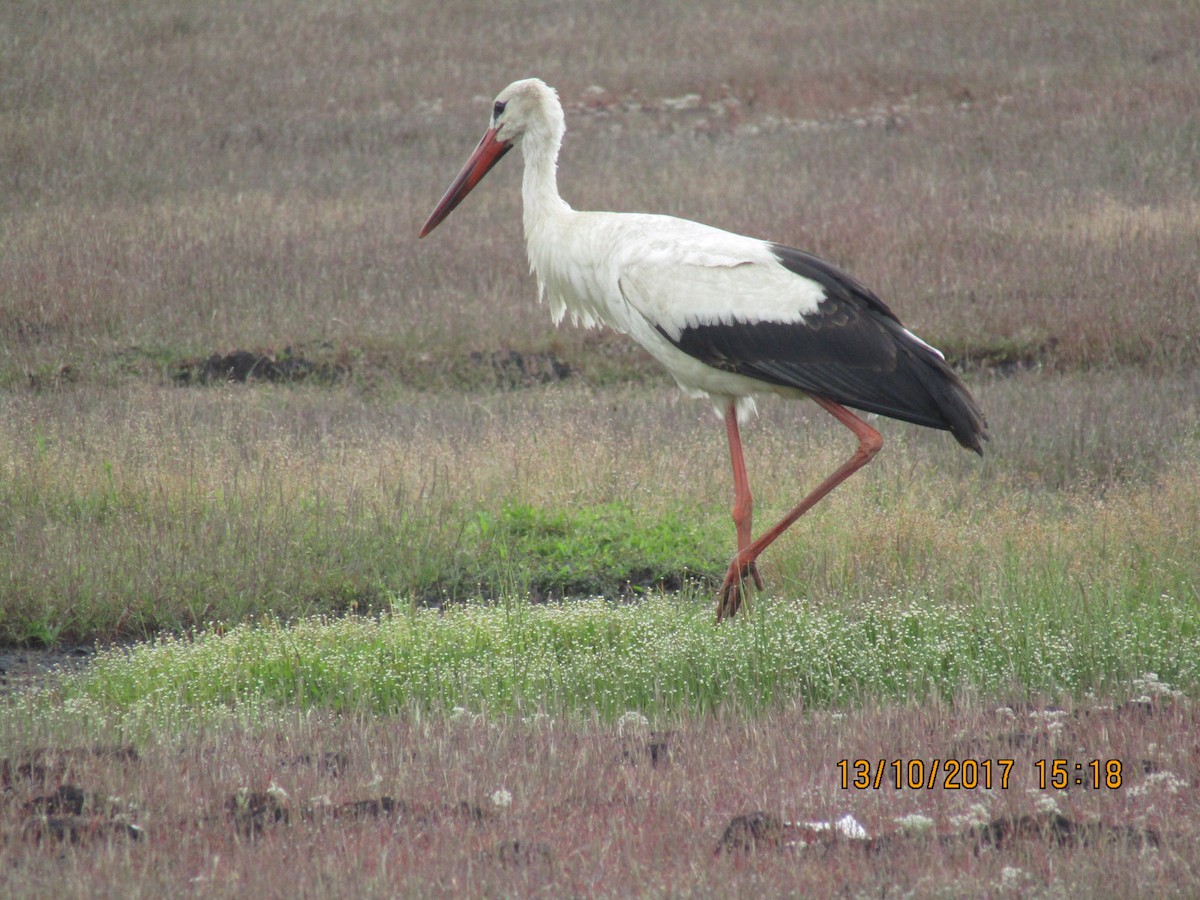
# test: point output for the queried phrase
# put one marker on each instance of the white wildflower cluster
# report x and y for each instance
(1014, 879)
(633, 722)
(1150, 688)
(502, 798)
(1046, 802)
(976, 814)
(914, 823)
(1053, 719)
(1159, 783)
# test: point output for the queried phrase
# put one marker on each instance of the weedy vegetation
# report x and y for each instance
(398, 590)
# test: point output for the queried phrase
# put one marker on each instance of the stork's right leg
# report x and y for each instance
(743, 501)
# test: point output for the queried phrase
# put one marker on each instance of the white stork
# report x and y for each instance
(729, 316)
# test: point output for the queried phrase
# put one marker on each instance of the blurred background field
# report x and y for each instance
(1019, 180)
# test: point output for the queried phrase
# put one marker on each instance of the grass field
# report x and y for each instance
(423, 607)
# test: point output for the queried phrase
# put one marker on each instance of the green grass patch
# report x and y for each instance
(608, 549)
(662, 656)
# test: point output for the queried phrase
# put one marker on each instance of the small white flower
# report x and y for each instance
(914, 823)
(501, 797)
(1049, 715)
(1048, 803)
(633, 721)
(1159, 782)
(1012, 878)
(977, 814)
(1149, 685)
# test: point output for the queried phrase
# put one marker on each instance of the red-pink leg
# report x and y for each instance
(869, 442)
(743, 502)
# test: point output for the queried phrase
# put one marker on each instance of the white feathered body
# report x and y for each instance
(652, 277)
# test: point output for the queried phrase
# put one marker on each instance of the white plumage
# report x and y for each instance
(728, 316)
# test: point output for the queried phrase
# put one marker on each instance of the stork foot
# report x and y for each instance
(733, 589)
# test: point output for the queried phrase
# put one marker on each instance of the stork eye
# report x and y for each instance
(498, 109)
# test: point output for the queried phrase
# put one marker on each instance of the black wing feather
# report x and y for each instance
(852, 350)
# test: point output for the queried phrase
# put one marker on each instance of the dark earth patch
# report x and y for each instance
(512, 369)
(252, 811)
(248, 366)
(24, 667)
(502, 369)
(657, 747)
(752, 832)
(71, 814)
(518, 852)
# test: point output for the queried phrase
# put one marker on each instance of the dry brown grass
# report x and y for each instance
(188, 179)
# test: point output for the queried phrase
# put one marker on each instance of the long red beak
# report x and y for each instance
(486, 155)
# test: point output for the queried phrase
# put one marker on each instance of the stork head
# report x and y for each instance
(526, 109)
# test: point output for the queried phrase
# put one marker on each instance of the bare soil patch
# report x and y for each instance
(24, 667)
(501, 369)
(291, 365)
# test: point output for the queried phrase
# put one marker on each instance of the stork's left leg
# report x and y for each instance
(869, 442)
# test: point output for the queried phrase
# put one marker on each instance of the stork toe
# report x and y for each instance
(733, 589)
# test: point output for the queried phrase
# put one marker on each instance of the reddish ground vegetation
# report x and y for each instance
(438, 808)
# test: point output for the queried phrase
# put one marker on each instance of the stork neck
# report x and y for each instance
(539, 187)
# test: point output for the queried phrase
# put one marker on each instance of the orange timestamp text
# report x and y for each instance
(974, 774)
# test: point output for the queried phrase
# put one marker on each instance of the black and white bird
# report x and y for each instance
(729, 316)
